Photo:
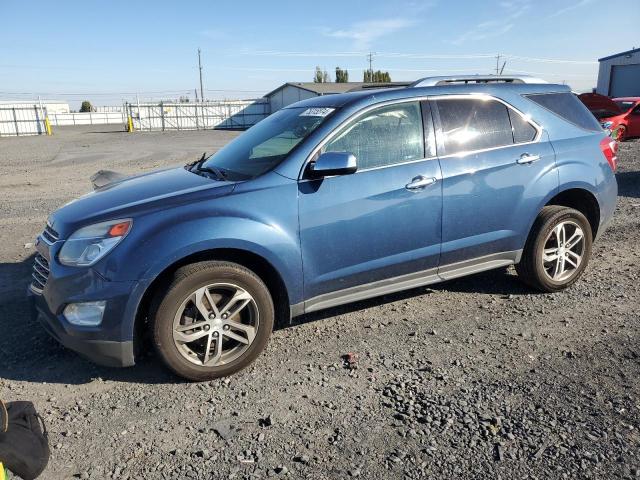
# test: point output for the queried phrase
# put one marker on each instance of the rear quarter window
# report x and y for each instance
(567, 106)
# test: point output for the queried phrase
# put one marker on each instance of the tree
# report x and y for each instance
(342, 76)
(86, 106)
(376, 77)
(321, 76)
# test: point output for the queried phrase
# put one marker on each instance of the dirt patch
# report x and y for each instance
(473, 378)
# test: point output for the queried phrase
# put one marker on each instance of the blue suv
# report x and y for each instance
(328, 201)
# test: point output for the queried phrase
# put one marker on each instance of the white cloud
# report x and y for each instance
(364, 33)
(562, 11)
(511, 11)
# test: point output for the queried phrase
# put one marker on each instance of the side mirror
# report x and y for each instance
(333, 163)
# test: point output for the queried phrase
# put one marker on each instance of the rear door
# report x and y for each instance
(381, 223)
(497, 167)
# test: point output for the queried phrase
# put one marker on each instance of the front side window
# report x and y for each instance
(265, 145)
(473, 124)
(384, 136)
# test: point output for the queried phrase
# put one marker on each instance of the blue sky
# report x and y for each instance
(106, 51)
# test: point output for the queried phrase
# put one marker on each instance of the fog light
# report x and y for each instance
(88, 314)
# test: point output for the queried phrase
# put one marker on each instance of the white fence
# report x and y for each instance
(86, 118)
(21, 120)
(235, 114)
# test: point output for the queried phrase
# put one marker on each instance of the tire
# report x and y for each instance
(544, 258)
(223, 343)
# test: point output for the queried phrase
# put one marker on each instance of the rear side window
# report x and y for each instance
(473, 124)
(523, 131)
(567, 106)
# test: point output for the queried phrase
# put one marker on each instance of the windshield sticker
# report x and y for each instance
(317, 112)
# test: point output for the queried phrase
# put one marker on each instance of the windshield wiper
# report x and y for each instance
(215, 170)
(198, 162)
(197, 167)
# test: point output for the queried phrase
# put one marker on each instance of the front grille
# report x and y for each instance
(40, 274)
(50, 235)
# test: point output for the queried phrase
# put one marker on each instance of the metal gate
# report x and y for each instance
(22, 120)
(236, 114)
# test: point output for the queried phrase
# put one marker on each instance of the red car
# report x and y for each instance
(620, 115)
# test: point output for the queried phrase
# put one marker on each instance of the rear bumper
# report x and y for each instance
(103, 352)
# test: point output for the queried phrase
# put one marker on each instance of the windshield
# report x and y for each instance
(266, 144)
(624, 105)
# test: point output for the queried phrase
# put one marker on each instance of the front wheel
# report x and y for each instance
(557, 250)
(212, 320)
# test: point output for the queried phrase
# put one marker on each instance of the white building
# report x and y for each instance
(619, 74)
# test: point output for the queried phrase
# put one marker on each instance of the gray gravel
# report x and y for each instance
(474, 378)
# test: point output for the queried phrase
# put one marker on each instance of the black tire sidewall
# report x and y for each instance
(176, 294)
(563, 215)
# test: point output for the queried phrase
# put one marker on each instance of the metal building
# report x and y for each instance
(292, 92)
(619, 74)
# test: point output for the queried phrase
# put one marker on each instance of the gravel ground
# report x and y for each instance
(473, 378)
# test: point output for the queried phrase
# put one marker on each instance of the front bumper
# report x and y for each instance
(111, 343)
(103, 352)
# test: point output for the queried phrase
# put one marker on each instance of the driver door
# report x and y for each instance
(377, 230)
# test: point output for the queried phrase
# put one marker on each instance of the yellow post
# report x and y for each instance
(129, 124)
(2, 475)
(47, 127)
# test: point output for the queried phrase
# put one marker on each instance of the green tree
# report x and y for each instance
(86, 106)
(376, 77)
(342, 76)
(321, 76)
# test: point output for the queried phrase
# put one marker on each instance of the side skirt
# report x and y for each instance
(406, 282)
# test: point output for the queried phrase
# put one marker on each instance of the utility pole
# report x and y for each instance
(370, 58)
(200, 68)
(498, 64)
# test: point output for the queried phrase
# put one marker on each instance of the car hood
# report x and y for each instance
(136, 195)
(600, 105)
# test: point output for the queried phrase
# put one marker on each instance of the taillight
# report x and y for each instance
(609, 148)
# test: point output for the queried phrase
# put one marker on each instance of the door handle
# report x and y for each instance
(420, 182)
(526, 158)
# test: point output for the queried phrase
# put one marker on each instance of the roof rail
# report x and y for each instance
(466, 79)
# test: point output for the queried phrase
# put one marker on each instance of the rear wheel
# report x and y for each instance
(557, 250)
(212, 320)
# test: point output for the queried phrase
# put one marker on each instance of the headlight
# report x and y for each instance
(89, 244)
(607, 124)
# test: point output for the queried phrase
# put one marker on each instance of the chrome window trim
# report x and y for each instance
(423, 98)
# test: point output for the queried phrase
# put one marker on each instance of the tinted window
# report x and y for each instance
(568, 107)
(267, 143)
(384, 136)
(523, 131)
(473, 124)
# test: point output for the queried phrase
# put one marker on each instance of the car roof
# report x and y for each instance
(385, 94)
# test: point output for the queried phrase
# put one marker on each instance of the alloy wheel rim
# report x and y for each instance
(215, 325)
(563, 251)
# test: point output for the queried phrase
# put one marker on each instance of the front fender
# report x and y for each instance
(175, 241)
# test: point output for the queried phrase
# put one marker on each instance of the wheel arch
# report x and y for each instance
(582, 200)
(267, 272)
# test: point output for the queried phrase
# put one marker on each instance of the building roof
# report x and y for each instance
(329, 88)
(621, 54)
